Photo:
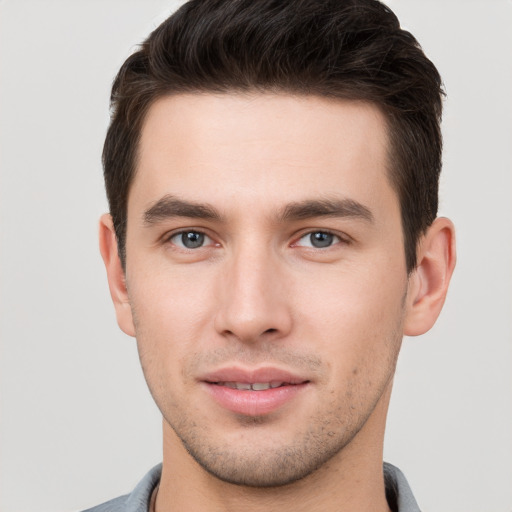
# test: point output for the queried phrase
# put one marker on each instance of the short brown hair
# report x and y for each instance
(351, 49)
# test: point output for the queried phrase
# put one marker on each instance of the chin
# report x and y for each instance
(274, 465)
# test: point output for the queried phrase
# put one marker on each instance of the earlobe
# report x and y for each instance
(115, 274)
(428, 284)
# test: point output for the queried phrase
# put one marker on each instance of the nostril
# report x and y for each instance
(270, 331)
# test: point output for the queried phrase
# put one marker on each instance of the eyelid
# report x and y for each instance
(342, 238)
(167, 238)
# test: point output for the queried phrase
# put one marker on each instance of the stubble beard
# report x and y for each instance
(269, 466)
(266, 463)
(276, 464)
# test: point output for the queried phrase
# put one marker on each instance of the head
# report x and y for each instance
(346, 49)
(272, 173)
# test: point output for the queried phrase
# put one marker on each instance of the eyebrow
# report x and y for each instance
(170, 206)
(326, 208)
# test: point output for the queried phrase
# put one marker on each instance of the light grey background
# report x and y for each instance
(77, 424)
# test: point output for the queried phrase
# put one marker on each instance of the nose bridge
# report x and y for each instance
(252, 295)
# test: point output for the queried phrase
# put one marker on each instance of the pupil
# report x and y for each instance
(321, 239)
(192, 239)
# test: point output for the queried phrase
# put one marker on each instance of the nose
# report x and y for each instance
(254, 304)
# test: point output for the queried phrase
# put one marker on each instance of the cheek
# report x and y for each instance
(355, 314)
(168, 301)
(352, 294)
(162, 323)
(173, 316)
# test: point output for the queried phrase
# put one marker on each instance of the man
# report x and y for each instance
(272, 172)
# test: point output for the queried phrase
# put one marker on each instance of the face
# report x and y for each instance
(266, 279)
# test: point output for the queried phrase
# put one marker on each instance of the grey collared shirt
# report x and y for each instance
(398, 493)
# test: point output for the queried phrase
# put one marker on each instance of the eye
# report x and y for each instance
(318, 239)
(190, 239)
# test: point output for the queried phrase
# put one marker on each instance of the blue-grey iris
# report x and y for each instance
(192, 239)
(321, 239)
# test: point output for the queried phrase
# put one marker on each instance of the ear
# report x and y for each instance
(115, 275)
(428, 284)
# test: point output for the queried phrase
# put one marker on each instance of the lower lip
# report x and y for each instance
(254, 403)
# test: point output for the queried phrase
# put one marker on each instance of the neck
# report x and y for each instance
(351, 480)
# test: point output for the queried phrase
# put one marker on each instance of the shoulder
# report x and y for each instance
(115, 505)
(137, 500)
(398, 491)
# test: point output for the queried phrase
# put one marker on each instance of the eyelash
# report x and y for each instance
(185, 232)
(338, 239)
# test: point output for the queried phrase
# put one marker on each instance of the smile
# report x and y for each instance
(253, 392)
(256, 386)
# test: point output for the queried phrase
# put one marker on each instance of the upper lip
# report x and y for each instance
(252, 375)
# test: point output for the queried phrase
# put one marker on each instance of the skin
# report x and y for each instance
(257, 293)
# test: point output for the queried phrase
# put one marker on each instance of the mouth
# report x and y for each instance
(255, 386)
(254, 392)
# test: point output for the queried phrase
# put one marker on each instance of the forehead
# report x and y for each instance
(260, 147)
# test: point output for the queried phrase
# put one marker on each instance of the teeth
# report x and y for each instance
(246, 386)
(260, 386)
